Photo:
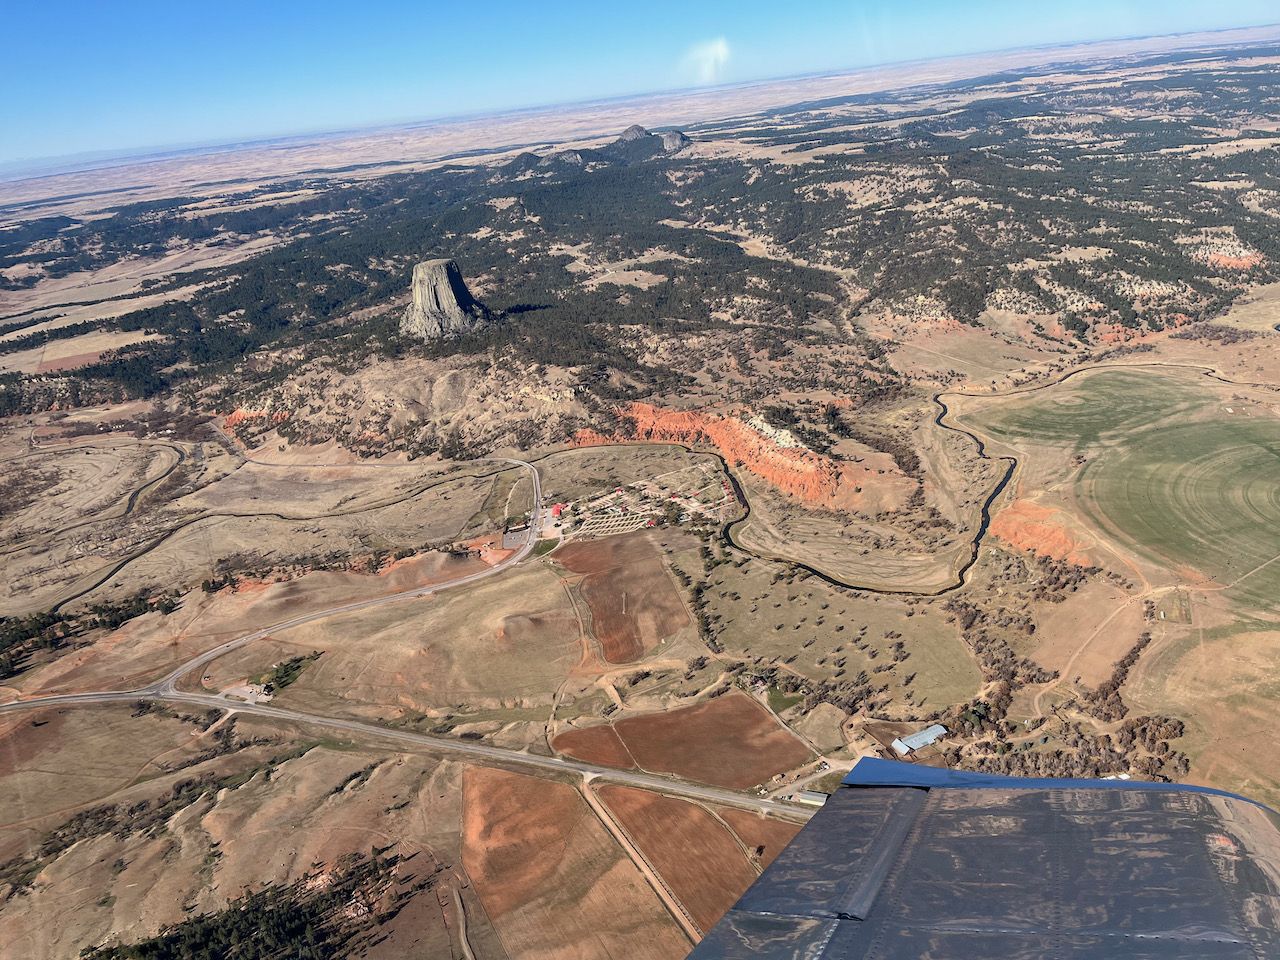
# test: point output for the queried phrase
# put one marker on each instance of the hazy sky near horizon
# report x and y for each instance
(82, 76)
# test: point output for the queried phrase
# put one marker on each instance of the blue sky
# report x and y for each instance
(81, 77)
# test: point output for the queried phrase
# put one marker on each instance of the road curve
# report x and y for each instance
(944, 420)
(439, 744)
(166, 689)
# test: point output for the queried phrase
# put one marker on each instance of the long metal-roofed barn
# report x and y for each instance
(907, 862)
(921, 738)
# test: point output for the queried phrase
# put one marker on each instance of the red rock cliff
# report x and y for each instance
(816, 479)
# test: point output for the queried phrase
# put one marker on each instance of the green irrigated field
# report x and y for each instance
(1096, 407)
(1202, 495)
(1186, 477)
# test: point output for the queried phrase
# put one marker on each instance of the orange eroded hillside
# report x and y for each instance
(816, 479)
(1029, 526)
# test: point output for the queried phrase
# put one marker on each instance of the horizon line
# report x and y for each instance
(36, 168)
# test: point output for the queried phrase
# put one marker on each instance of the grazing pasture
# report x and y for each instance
(1093, 407)
(1165, 462)
(1202, 496)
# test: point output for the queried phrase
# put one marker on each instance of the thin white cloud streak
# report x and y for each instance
(705, 62)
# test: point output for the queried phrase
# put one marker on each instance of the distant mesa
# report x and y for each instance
(634, 132)
(668, 142)
(570, 158)
(674, 140)
(442, 305)
(636, 144)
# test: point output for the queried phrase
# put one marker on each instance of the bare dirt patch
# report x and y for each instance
(1027, 525)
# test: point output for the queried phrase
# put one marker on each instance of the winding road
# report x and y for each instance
(1011, 465)
(167, 689)
(102, 575)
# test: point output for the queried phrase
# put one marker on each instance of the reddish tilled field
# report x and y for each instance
(552, 880)
(599, 744)
(730, 742)
(633, 602)
(764, 837)
(694, 854)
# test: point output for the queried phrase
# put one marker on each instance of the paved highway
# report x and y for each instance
(166, 688)
(439, 744)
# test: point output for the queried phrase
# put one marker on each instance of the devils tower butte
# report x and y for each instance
(442, 305)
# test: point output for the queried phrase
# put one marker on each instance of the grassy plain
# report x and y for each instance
(505, 644)
(147, 646)
(1223, 681)
(48, 490)
(803, 623)
(582, 471)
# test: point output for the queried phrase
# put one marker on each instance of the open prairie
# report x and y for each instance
(75, 486)
(169, 514)
(495, 652)
(153, 643)
(813, 630)
(1221, 680)
(583, 471)
(167, 815)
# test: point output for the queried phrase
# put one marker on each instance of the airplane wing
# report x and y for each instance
(907, 862)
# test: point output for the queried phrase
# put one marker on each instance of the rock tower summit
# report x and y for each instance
(442, 305)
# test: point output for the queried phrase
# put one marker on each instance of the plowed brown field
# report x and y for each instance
(599, 744)
(633, 602)
(764, 837)
(554, 883)
(694, 854)
(730, 742)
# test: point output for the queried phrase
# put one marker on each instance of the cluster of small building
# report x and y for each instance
(645, 503)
